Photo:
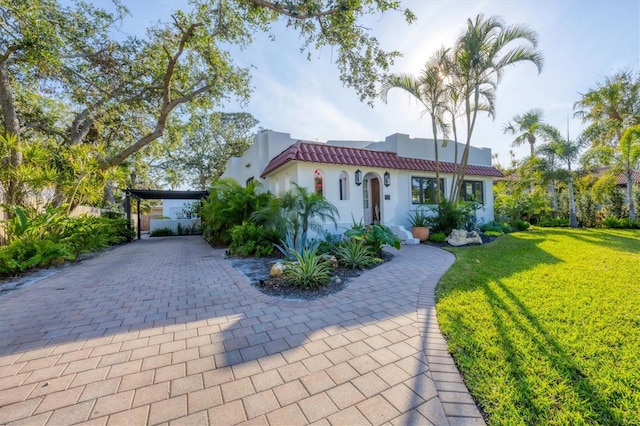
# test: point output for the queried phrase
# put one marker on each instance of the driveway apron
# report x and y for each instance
(165, 331)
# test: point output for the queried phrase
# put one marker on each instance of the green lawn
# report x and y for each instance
(545, 326)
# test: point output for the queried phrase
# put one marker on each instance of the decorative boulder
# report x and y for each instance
(277, 269)
(460, 237)
(331, 259)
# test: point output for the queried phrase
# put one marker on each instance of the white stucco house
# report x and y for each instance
(376, 182)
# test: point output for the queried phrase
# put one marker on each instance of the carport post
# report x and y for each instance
(127, 211)
(138, 205)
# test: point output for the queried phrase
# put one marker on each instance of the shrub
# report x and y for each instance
(419, 218)
(296, 244)
(42, 239)
(449, 216)
(374, 236)
(162, 232)
(554, 223)
(438, 237)
(355, 254)
(493, 233)
(330, 243)
(502, 227)
(229, 204)
(624, 223)
(520, 225)
(251, 240)
(309, 270)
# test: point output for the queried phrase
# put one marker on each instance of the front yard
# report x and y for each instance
(545, 326)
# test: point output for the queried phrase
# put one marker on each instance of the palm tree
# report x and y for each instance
(568, 152)
(526, 127)
(625, 159)
(613, 109)
(296, 212)
(430, 90)
(481, 54)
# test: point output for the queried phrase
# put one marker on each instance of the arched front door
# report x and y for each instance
(371, 199)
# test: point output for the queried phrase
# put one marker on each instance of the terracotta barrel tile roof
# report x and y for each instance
(330, 154)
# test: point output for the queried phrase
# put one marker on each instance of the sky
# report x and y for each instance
(582, 41)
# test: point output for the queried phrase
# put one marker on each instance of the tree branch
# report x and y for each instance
(293, 12)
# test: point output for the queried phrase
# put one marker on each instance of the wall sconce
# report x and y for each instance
(387, 179)
(358, 177)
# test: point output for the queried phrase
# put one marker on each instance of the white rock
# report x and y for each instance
(277, 269)
(460, 237)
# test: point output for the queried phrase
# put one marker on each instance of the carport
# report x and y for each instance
(156, 194)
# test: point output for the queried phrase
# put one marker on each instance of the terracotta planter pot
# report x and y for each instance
(420, 232)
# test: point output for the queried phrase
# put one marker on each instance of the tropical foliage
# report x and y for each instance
(38, 239)
(308, 270)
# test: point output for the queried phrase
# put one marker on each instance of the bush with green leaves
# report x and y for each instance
(229, 204)
(355, 254)
(249, 239)
(449, 216)
(38, 239)
(437, 237)
(308, 270)
(586, 209)
(559, 222)
(616, 223)
(374, 236)
(329, 243)
(296, 243)
(493, 233)
(162, 232)
(502, 227)
(521, 225)
(419, 217)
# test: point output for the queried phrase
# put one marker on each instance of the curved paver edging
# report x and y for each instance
(166, 330)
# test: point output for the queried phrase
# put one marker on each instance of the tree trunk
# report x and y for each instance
(554, 198)
(11, 127)
(471, 122)
(573, 217)
(632, 208)
(437, 157)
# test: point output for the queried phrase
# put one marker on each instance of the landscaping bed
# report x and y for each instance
(256, 269)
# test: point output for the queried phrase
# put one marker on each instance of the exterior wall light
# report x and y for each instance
(387, 179)
(358, 177)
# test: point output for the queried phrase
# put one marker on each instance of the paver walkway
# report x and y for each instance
(165, 331)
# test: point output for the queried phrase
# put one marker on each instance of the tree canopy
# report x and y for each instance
(64, 76)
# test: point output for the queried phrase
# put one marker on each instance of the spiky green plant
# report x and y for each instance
(309, 270)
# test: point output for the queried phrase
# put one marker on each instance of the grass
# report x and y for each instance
(545, 326)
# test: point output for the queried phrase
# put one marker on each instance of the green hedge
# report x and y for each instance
(50, 238)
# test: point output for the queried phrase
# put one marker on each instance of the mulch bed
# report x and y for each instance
(257, 272)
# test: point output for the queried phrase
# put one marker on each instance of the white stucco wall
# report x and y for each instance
(394, 211)
(173, 208)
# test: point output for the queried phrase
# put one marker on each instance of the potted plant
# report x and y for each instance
(419, 221)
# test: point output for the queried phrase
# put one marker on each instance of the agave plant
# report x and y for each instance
(308, 270)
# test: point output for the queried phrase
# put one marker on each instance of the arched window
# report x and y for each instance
(344, 185)
(318, 182)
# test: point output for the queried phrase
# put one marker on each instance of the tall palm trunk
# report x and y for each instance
(465, 154)
(454, 129)
(632, 208)
(11, 126)
(554, 198)
(437, 157)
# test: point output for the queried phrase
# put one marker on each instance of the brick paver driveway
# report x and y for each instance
(165, 330)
